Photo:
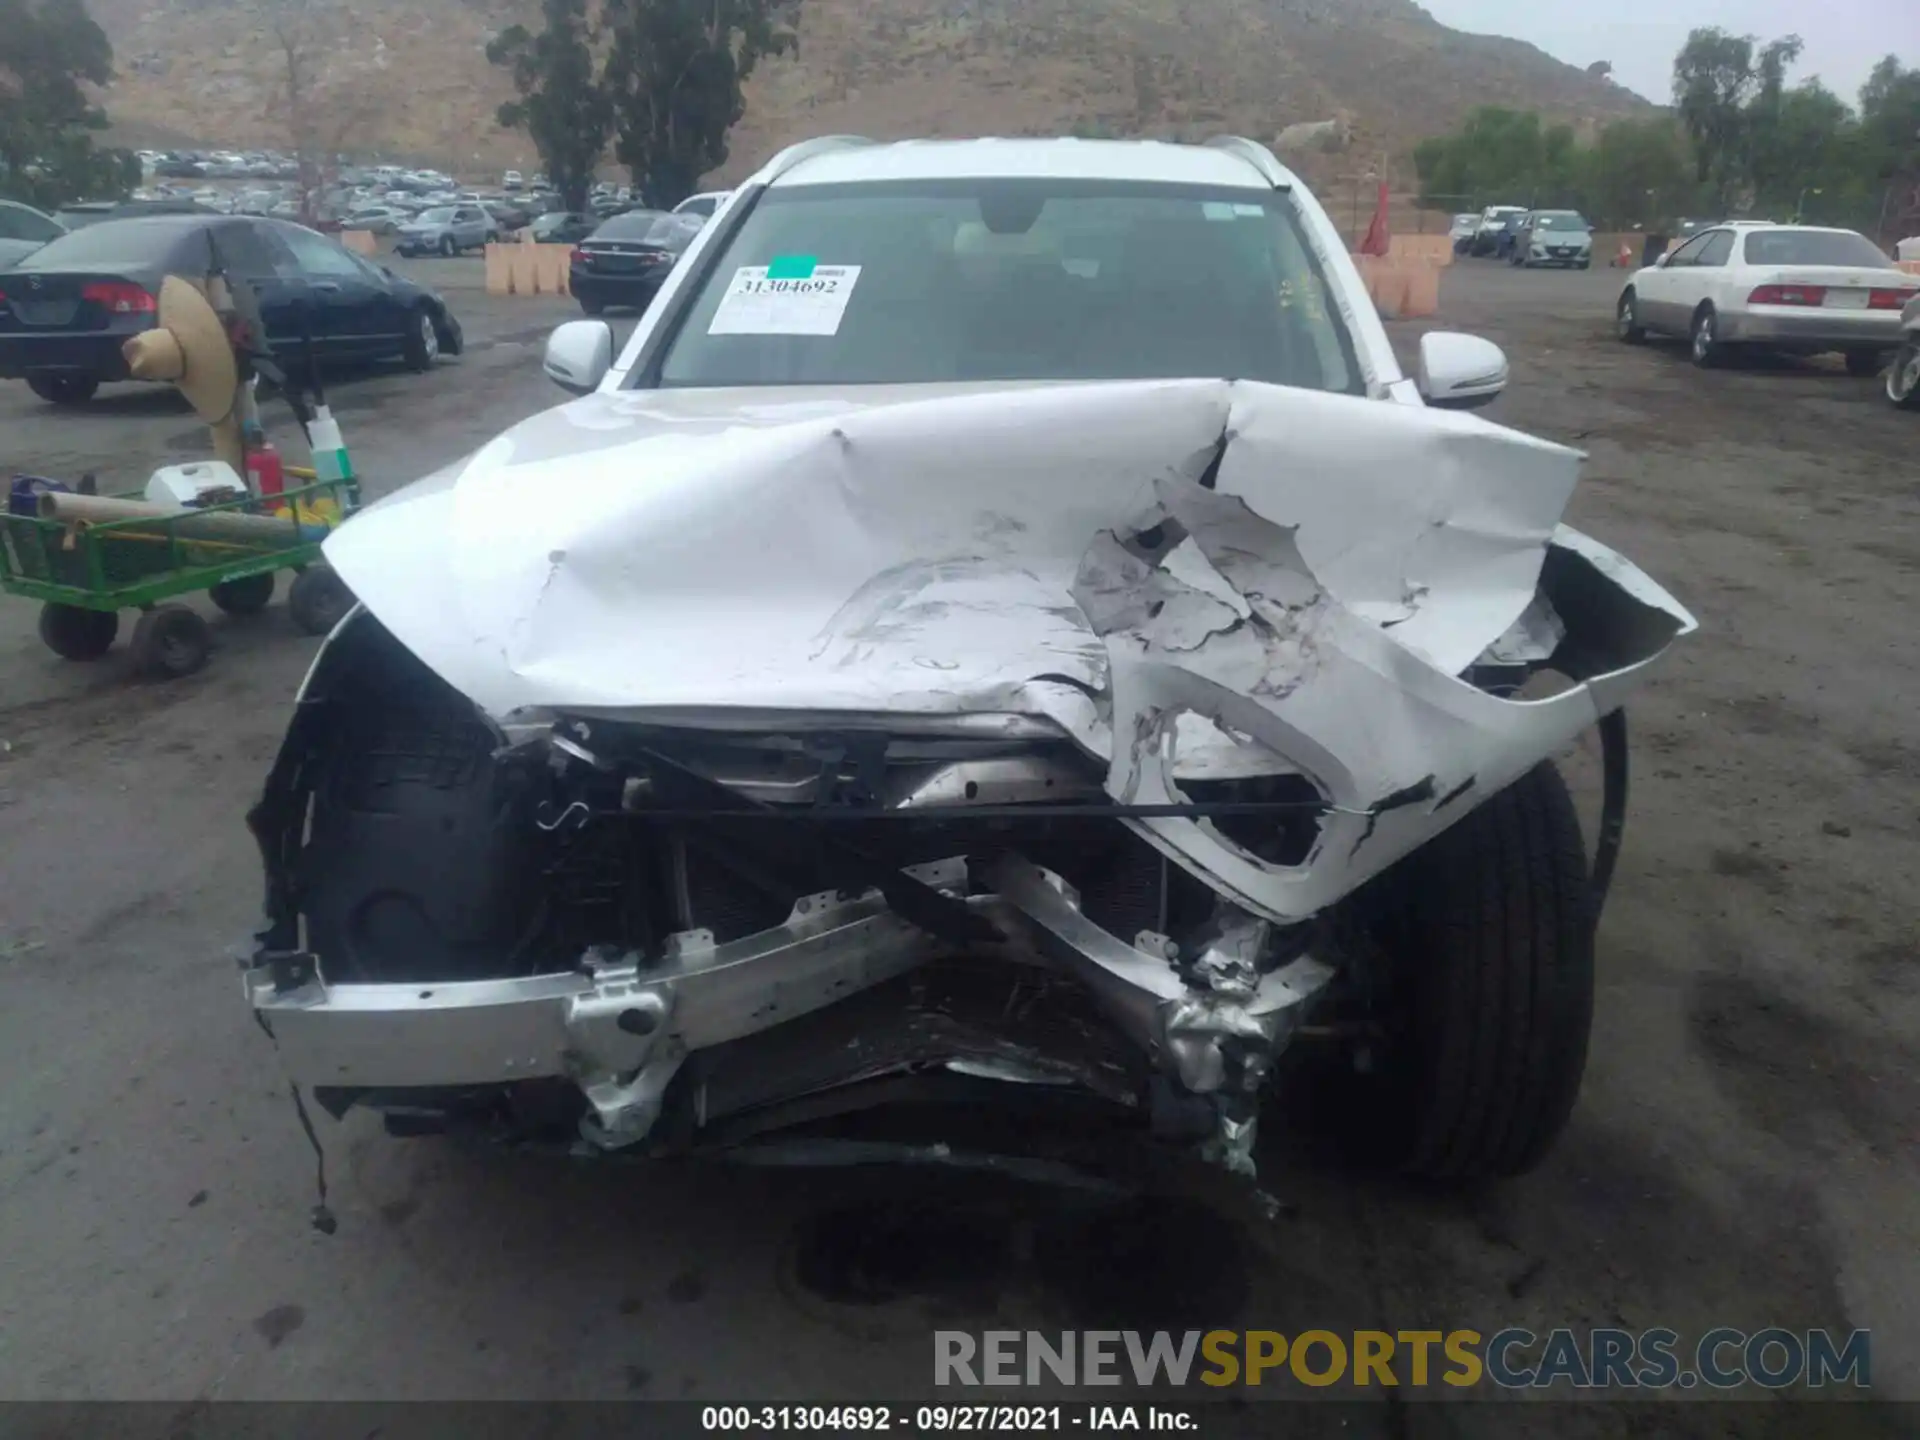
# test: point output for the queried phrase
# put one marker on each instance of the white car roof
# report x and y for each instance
(1144, 160)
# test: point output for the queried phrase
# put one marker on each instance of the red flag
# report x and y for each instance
(1379, 239)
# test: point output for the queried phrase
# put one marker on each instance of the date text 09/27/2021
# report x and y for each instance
(945, 1419)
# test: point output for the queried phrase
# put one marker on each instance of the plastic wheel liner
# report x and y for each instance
(1192, 586)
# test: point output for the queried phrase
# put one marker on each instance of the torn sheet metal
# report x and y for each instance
(1192, 579)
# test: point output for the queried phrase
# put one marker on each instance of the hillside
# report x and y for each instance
(416, 84)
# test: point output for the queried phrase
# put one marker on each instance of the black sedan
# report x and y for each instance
(564, 227)
(624, 261)
(66, 309)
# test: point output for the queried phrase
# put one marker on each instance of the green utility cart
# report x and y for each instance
(85, 575)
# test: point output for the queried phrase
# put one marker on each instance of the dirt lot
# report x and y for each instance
(1744, 1152)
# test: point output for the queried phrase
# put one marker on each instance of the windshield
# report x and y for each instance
(993, 279)
(114, 245)
(1814, 247)
(440, 216)
(17, 222)
(632, 225)
(1559, 220)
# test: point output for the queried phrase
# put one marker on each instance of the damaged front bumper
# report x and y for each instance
(620, 1028)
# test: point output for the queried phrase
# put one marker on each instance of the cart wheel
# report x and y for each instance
(170, 642)
(76, 634)
(248, 595)
(319, 600)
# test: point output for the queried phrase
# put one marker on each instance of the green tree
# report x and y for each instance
(51, 51)
(1889, 153)
(562, 105)
(675, 77)
(1728, 95)
(1639, 173)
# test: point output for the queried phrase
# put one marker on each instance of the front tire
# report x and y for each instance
(1486, 940)
(319, 600)
(63, 389)
(248, 595)
(76, 634)
(1903, 377)
(1627, 320)
(423, 342)
(170, 643)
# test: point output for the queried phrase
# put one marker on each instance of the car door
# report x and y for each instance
(251, 255)
(350, 303)
(1662, 289)
(470, 227)
(1708, 276)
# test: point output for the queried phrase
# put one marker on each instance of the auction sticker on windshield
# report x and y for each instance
(793, 295)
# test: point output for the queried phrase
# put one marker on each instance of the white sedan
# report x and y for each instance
(1795, 288)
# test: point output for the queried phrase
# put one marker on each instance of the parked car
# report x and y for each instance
(66, 309)
(1554, 237)
(506, 217)
(1493, 223)
(703, 204)
(24, 230)
(1800, 289)
(564, 227)
(78, 214)
(377, 220)
(868, 693)
(625, 260)
(1903, 374)
(447, 230)
(511, 180)
(1462, 231)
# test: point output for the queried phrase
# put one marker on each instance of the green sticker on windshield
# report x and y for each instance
(791, 267)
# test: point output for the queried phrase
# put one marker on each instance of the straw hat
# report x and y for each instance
(188, 347)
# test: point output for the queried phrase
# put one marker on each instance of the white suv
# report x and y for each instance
(1004, 632)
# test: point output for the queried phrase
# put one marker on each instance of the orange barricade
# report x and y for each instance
(520, 267)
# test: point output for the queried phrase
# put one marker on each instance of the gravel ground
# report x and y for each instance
(1743, 1153)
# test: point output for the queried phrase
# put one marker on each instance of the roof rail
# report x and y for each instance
(1256, 155)
(807, 149)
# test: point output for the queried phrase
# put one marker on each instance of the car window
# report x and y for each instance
(250, 251)
(108, 245)
(675, 232)
(438, 216)
(1015, 279)
(1688, 253)
(1718, 247)
(1560, 220)
(634, 225)
(315, 255)
(17, 222)
(1814, 247)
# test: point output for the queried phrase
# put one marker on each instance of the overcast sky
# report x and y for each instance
(1844, 38)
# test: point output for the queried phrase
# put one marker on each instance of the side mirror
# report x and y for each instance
(1460, 372)
(579, 355)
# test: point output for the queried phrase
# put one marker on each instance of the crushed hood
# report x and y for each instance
(1192, 579)
(916, 550)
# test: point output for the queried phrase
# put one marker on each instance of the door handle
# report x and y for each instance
(327, 287)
